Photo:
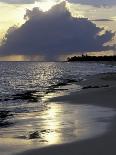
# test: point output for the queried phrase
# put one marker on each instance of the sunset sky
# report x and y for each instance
(44, 29)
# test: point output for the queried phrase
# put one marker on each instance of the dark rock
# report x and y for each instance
(5, 118)
(105, 86)
(28, 95)
(45, 131)
(43, 141)
(34, 135)
(71, 80)
(88, 87)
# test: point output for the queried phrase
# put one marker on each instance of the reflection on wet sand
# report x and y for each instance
(59, 123)
(52, 123)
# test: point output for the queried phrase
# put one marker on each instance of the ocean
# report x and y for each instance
(29, 120)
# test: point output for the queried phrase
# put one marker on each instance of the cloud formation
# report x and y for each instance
(95, 2)
(54, 33)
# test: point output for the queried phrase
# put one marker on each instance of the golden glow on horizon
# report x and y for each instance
(13, 58)
(102, 53)
(22, 58)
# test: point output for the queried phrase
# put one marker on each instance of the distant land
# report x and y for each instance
(91, 58)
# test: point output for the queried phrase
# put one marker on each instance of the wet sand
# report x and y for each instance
(103, 95)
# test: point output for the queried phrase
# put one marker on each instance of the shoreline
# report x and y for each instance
(101, 96)
(97, 89)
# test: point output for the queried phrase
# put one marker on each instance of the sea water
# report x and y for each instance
(24, 87)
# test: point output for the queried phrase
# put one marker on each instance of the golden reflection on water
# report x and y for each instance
(52, 123)
(58, 124)
(51, 95)
(47, 121)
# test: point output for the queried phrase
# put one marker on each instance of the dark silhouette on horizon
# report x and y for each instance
(91, 58)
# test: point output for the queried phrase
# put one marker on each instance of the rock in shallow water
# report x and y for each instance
(34, 135)
(5, 118)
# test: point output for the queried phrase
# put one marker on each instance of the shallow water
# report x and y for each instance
(24, 82)
(59, 123)
(24, 93)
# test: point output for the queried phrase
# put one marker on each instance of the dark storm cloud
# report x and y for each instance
(95, 2)
(54, 33)
(18, 1)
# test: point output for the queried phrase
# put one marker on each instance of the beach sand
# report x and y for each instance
(98, 90)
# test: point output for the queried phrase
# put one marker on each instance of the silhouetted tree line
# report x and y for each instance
(92, 58)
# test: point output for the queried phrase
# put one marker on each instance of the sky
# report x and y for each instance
(35, 30)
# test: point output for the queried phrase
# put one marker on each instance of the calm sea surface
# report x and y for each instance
(21, 77)
(24, 108)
